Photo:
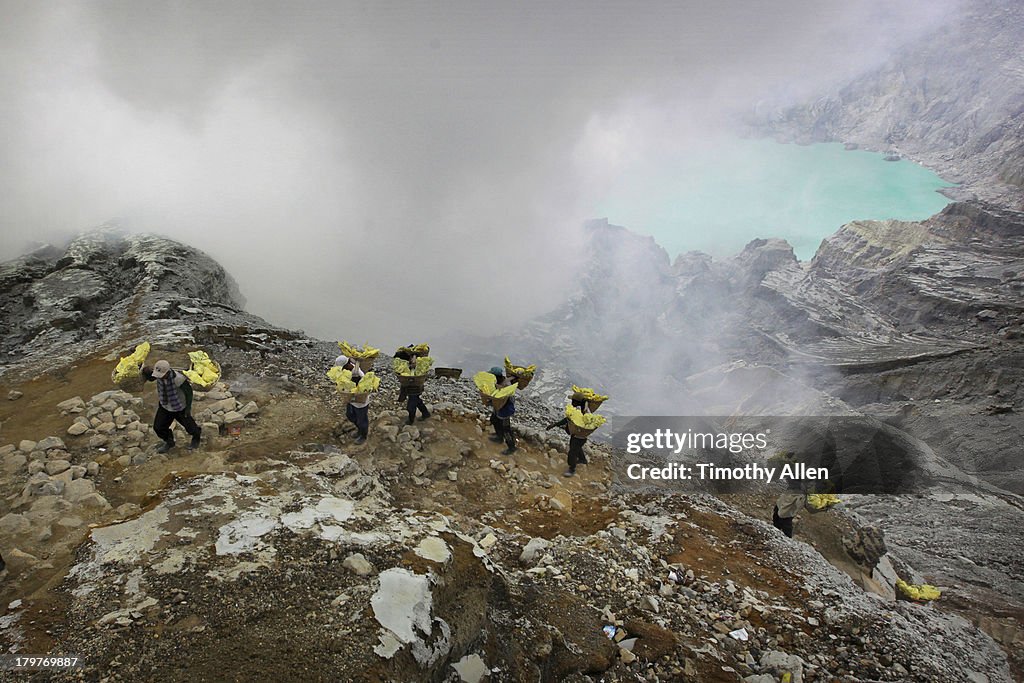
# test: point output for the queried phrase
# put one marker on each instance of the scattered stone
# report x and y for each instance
(72, 405)
(51, 442)
(19, 562)
(79, 489)
(532, 548)
(14, 395)
(77, 429)
(27, 446)
(56, 466)
(358, 564)
(13, 524)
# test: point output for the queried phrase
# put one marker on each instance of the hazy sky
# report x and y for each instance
(386, 171)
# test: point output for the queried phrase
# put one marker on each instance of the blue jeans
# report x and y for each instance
(360, 417)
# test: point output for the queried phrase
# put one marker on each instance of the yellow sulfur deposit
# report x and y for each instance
(485, 382)
(421, 367)
(505, 391)
(367, 383)
(820, 501)
(204, 372)
(129, 366)
(918, 592)
(519, 370)
(367, 352)
(588, 394)
(415, 350)
(342, 378)
(584, 420)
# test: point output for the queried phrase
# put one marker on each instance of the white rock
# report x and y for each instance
(433, 548)
(530, 551)
(26, 446)
(402, 604)
(77, 428)
(358, 564)
(471, 669)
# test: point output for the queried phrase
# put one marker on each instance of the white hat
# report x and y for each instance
(341, 360)
(161, 368)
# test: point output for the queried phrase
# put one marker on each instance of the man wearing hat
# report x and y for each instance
(501, 419)
(356, 413)
(174, 393)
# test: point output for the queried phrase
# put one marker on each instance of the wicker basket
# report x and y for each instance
(499, 403)
(130, 384)
(524, 380)
(365, 364)
(454, 373)
(412, 380)
(486, 399)
(351, 397)
(592, 406)
(579, 432)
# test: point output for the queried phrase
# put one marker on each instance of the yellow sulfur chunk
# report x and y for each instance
(584, 420)
(366, 352)
(130, 365)
(588, 394)
(820, 501)
(918, 592)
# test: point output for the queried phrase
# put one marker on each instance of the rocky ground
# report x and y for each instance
(287, 552)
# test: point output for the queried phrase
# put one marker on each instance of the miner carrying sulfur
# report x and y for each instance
(174, 394)
(501, 418)
(576, 456)
(358, 413)
(412, 392)
(789, 504)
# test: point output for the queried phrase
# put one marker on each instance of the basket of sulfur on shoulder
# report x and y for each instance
(128, 372)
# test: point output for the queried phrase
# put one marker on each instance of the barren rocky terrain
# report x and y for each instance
(287, 552)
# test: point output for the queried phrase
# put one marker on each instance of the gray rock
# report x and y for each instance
(532, 549)
(232, 417)
(79, 489)
(7, 450)
(98, 441)
(50, 443)
(56, 466)
(26, 446)
(77, 429)
(249, 408)
(13, 524)
(72, 405)
(14, 462)
(14, 395)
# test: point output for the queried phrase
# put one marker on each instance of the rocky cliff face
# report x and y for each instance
(953, 100)
(919, 325)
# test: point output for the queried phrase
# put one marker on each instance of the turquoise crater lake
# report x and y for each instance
(718, 199)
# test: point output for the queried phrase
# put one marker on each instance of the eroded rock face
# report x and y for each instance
(53, 299)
